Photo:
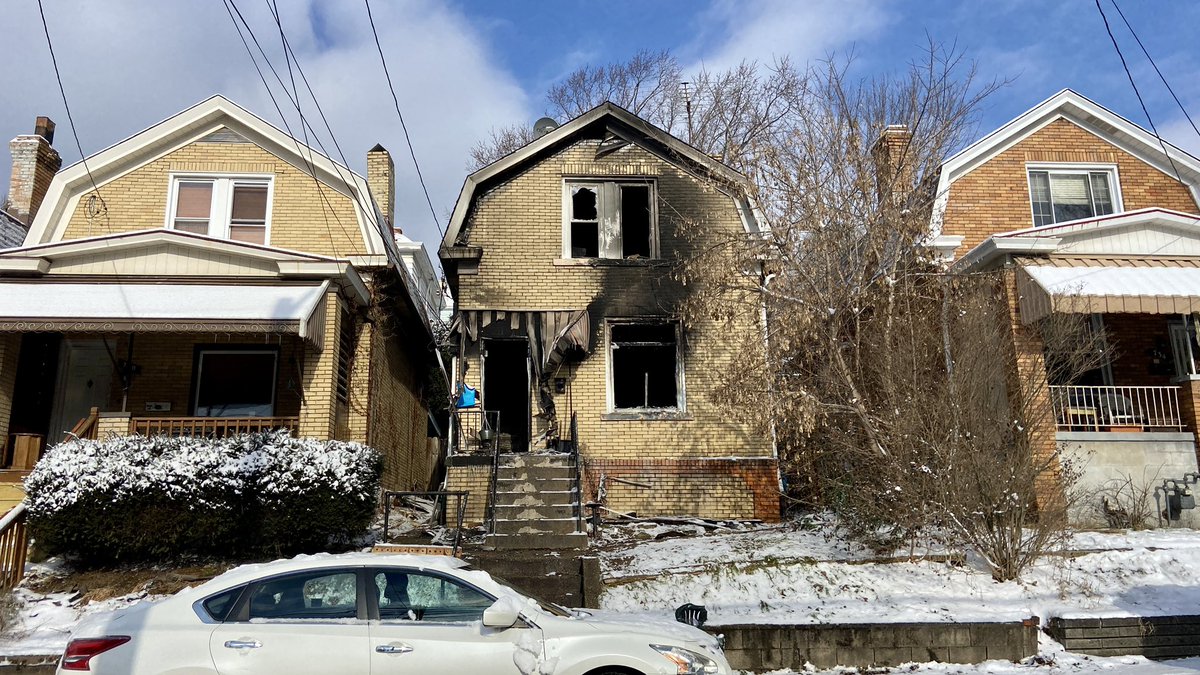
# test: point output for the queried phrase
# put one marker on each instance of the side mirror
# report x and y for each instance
(502, 614)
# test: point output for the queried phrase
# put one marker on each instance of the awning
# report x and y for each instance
(157, 308)
(1045, 289)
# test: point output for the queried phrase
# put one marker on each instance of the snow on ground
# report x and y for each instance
(44, 622)
(802, 573)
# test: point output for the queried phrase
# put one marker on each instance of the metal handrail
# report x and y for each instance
(574, 454)
(14, 546)
(437, 495)
(491, 503)
(1096, 408)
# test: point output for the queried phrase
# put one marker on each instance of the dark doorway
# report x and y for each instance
(506, 390)
(37, 372)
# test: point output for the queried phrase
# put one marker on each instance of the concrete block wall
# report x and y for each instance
(995, 196)
(758, 647)
(1155, 637)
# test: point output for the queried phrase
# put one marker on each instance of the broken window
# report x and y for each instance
(609, 219)
(645, 363)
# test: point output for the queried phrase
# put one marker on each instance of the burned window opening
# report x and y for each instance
(609, 219)
(645, 362)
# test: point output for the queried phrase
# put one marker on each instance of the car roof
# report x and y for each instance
(246, 573)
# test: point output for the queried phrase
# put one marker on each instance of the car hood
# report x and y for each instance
(671, 631)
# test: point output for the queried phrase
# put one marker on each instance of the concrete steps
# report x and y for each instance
(536, 503)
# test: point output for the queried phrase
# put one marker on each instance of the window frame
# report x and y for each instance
(601, 199)
(240, 612)
(198, 364)
(1074, 168)
(372, 596)
(221, 209)
(680, 407)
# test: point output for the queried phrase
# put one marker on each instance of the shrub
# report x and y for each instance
(150, 498)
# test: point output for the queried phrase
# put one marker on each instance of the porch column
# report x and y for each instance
(1030, 378)
(318, 409)
(1189, 409)
(10, 347)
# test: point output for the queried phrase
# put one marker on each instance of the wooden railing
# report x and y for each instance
(14, 544)
(84, 428)
(211, 427)
(1086, 408)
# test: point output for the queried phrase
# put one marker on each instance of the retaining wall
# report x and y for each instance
(1155, 637)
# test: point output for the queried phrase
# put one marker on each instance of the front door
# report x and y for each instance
(85, 372)
(309, 623)
(429, 623)
(506, 390)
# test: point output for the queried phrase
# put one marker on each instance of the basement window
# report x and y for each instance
(1059, 195)
(609, 219)
(645, 366)
(232, 208)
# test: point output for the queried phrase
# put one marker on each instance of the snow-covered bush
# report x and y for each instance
(138, 498)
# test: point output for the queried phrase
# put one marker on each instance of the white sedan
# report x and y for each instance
(370, 613)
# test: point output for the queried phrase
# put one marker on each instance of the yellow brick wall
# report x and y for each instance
(303, 217)
(519, 226)
(474, 480)
(319, 414)
(995, 196)
(398, 419)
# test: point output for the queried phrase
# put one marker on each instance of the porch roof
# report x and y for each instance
(31, 306)
(1151, 287)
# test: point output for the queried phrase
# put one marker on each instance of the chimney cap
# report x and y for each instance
(44, 127)
(378, 148)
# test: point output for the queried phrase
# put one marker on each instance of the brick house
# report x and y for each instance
(559, 257)
(207, 275)
(1086, 213)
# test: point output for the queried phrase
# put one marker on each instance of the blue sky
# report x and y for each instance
(463, 67)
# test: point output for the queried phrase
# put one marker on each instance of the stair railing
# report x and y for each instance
(14, 545)
(491, 502)
(573, 449)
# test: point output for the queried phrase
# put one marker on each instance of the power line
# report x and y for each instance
(1135, 91)
(1160, 74)
(403, 126)
(92, 210)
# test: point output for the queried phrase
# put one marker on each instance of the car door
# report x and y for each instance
(431, 623)
(304, 623)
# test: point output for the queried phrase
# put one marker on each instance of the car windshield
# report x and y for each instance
(546, 606)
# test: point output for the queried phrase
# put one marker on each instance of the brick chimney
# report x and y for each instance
(892, 165)
(35, 161)
(381, 178)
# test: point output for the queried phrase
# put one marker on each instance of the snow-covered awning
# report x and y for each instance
(1137, 288)
(30, 306)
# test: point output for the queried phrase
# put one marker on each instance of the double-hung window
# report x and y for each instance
(223, 207)
(644, 363)
(609, 219)
(1060, 195)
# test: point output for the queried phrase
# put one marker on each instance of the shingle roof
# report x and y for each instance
(12, 231)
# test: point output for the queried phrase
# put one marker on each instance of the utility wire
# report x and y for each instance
(1160, 75)
(403, 126)
(279, 111)
(1135, 91)
(92, 210)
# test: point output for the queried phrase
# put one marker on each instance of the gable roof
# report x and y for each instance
(1145, 233)
(1084, 113)
(210, 115)
(12, 231)
(605, 111)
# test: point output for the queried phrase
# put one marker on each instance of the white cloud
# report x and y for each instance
(127, 64)
(1179, 132)
(731, 31)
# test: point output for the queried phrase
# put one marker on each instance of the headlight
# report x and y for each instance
(687, 662)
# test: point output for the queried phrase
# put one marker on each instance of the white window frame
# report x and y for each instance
(200, 376)
(221, 208)
(1114, 182)
(1182, 334)
(680, 406)
(608, 197)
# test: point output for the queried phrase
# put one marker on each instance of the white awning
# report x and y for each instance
(30, 306)
(1099, 290)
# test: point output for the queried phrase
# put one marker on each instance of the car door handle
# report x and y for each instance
(243, 644)
(393, 649)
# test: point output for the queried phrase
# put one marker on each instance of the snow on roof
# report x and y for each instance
(23, 300)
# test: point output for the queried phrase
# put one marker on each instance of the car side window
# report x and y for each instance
(219, 606)
(417, 596)
(309, 595)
